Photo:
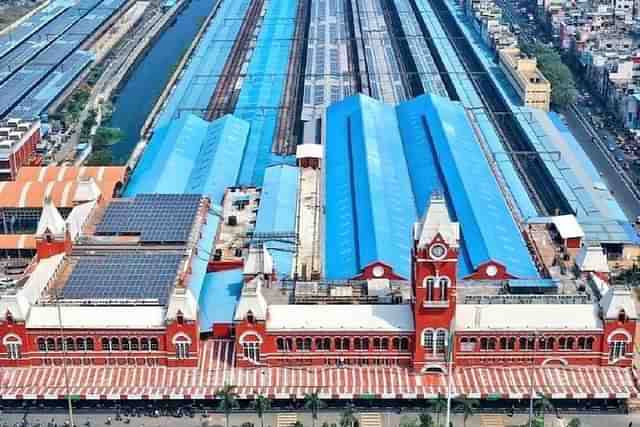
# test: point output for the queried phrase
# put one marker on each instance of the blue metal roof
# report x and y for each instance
(220, 294)
(488, 228)
(261, 94)
(191, 155)
(380, 159)
(277, 213)
(370, 209)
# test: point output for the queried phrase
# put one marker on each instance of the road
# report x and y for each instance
(388, 418)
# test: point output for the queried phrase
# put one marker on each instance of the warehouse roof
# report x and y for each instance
(191, 155)
(71, 173)
(219, 297)
(370, 210)
(31, 194)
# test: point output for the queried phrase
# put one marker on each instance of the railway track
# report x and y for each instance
(539, 182)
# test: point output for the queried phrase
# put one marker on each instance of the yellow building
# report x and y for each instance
(533, 88)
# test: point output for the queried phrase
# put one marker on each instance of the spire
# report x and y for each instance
(437, 221)
(50, 220)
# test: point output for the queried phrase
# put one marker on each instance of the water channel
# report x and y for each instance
(149, 76)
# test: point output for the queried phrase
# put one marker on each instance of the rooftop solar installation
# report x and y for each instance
(155, 217)
(124, 276)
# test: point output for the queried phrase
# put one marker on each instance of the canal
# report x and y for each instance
(147, 79)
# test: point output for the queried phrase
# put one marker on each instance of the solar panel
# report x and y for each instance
(131, 275)
(155, 217)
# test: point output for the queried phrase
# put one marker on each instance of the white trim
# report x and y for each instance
(5, 339)
(257, 335)
(174, 340)
(562, 361)
(619, 331)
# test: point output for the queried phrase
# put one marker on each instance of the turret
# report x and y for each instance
(52, 235)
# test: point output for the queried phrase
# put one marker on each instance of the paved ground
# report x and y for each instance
(388, 419)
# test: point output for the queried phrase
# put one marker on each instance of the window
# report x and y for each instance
(428, 284)
(365, 343)
(323, 344)
(546, 344)
(80, 344)
(70, 344)
(488, 344)
(441, 341)
(280, 344)
(51, 344)
(404, 344)
(585, 343)
(616, 350)
(125, 344)
(144, 343)
(154, 344)
(342, 344)
(566, 343)
(182, 348)
(134, 344)
(89, 344)
(622, 316)
(115, 344)
(444, 285)
(42, 344)
(105, 344)
(59, 346)
(251, 351)
(357, 344)
(299, 344)
(306, 344)
(395, 344)
(508, 344)
(467, 344)
(527, 343)
(427, 339)
(13, 348)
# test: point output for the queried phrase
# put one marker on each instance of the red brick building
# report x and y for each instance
(418, 330)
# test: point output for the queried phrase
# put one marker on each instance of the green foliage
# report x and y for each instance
(563, 88)
(260, 405)
(313, 403)
(298, 424)
(228, 401)
(468, 407)
(100, 158)
(425, 420)
(407, 421)
(574, 422)
(348, 416)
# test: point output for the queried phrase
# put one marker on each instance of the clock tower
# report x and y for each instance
(435, 259)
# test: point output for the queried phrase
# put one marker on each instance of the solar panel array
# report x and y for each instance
(155, 217)
(130, 276)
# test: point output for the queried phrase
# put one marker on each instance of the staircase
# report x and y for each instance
(286, 420)
(371, 419)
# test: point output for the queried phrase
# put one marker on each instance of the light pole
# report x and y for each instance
(64, 357)
(533, 378)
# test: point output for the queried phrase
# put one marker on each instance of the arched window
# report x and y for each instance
(384, 344)
(125, 344)
(299, 344)
(365, 343)
(444, 287)
(280, 344)
(115, 344)
(105, 344)
(42, 344)
(134, 344)
(307, 344)
(59, 346)
(427, 339)
(484, 344)
(338, 344)
(492, 343)
(582, 342)
(617, 350)
(182, 348)
(546, 344)
(80, 344)
(589, 343)
(376, 344)
(428, 283)
(323, 344)
(51, 344)
(404, 344)
(327, 344)
(70, 344)
(441, 340)
(357, 345)
(468, 344)
(144, 343)
(13, 346)
(89, 344)
(154, 344)
(527, 343)
(346, 344)
(395, 344)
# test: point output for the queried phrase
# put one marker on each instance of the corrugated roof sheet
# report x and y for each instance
(277, 213)
(191, 155)
(220, 294)
(380, 161)
(370, 209)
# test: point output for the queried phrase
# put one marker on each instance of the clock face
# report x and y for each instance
(378, 271)
(437, 251)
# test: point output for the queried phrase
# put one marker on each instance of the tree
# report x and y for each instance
(439, 405)
(260, 405)
(348, 416)
(574, 422)
(100, 158)
(425, 420)
(298, 424)
(563, 87)
(468, 407)
(542, 405)
(313, 403)
(228, 401)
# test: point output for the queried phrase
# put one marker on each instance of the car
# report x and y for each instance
(619, 156)
(612, 147)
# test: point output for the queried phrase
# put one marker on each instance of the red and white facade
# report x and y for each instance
(418, 335)
(18, 141)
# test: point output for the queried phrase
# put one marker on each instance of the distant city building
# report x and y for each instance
(18, 141)
(522, 71)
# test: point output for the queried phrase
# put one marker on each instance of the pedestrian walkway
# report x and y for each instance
(286, 420)
(489, 420)
(371, 419)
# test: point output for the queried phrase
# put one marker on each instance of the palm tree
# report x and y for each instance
(260, 405)
(348, 416)
(313, 403)
(425, 420)
(574, 422)
(228, 401)
(542, 405)
(468, 407)
(439, 405)
(298, 424)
